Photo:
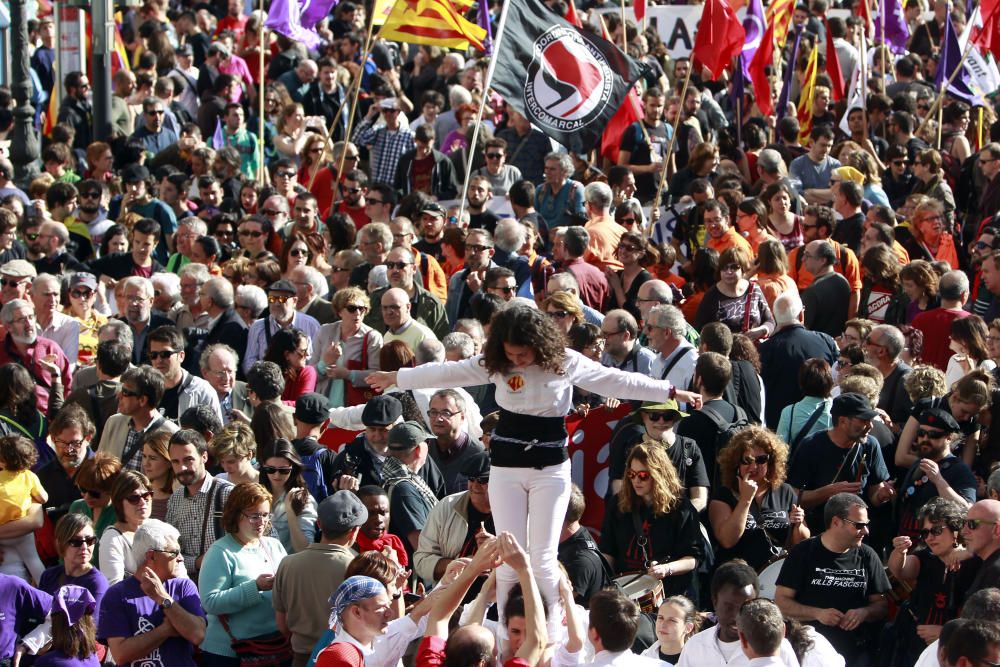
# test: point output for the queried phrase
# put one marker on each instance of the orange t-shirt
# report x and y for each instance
(849, 267)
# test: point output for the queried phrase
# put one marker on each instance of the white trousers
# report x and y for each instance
(531, 504)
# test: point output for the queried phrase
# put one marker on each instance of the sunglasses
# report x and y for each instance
(935, 531)
(252, 234)
(172, 554)
(660, 417)
(274, 298)
(558, 314)
(494, 156)
(374, 202)
(858, 525)
(352, 157)
(641, 475)
(355, 308)
(353, 191)
(162, 354)
(628, 222)
(92, 493)
(629, 248)
(482, 479)
(763, 459)
(272, 470)
(13, 283)
(506, 289)
(90, 195)
(973, 524)
(32, 236)
(81, 293)
(137, 498)
(477, 248)
(285, 174)
(397, 265)
(128, 392)
(299, 252)
(80, 541)
(933, 435)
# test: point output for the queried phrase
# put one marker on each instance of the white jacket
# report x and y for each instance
(443, 535)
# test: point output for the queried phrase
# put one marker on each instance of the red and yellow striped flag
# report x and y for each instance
(119, 57)
(432, 22)
(780, 13)
(804, 111)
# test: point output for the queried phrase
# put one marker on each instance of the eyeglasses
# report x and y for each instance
(285, 174)
(935, 531)
(355, 308)
(858, 525)
(277, 298)
(274, 470)
(253, 234)
(162, 354)
(373, 202)
(128, 392)
(973, 524)
(641, 475)
(13, 283)
(93, 493)
(482, 479)
(78, 542)
(159, 112)
(90, 195)
(558, 314)
(81, 293)
(447, 414)
(506, 289)
(627, 222)
(494, 156)
(933, 435)
(398, 265)
(172, 554)
(69, 444)
(268, 212)
(137, 498)
(763, 459)
(259, 517)
(299, 252)
(477, 248)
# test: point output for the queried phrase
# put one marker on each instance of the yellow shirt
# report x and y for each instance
(88, 337)
(18, 491)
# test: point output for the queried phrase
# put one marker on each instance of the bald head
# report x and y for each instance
(984, 539)
(395, 307)
(653, 293)
(470, 645)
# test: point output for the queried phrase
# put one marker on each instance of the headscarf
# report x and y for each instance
(353, 590)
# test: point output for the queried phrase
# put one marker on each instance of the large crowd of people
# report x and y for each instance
(301, 397)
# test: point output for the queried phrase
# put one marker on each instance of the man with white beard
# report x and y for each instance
(22, 345)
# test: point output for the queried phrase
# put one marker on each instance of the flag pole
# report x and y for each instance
(501, 24)
(357, 93)
(261, 86)
(882, 45)
(624, 31)
(979, 130)
(670, 146)
(940, 117)
(642, 124)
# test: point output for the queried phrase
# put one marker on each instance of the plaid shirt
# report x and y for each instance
(186, 513)
(134, 441)
(386, 147)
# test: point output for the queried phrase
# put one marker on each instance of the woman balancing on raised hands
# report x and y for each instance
(526, 358)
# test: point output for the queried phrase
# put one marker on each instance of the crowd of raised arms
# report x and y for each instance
(326, 396)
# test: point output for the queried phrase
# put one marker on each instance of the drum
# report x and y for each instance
(768, 577)
(644, 590)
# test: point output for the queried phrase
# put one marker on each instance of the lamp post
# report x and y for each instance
(24, 148)
(103, 22)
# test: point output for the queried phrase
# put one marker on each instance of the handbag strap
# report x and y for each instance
(746, 307)
(813, 418)
(364, 351)
(640, 537)
(224, 620)
(212, 490)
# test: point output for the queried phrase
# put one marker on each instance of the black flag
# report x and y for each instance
(565, 81)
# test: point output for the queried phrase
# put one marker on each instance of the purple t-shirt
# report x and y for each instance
(55, 578)
(127, 612)
(21, 608)
(57, 659)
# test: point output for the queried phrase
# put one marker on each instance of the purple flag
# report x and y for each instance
(754, 25)
(951, 59)
(483, 20)
(786, 86)
(285, 17)
(219, 138)
(314, 11)
(896, 31)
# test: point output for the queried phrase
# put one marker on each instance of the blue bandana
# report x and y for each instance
(353, 590)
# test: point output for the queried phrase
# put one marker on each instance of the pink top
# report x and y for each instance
(304, 383)
(237, 67)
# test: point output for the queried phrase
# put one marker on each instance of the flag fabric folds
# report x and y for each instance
(628, 113)
(786, 85)
(639, 7)
(804, 111)
(987, 37)
(297, 22)
(758, 72)
(573, 17)
(856, 95)
(779, 15)
(753, 26)
(567, 82)
(983, 72)
(951, 59)
(833, 68)
(119, 56)
(897, 34)
(431, 22)
(483, 21)
(719, 38)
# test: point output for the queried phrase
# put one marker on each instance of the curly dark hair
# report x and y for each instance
(943, 511)
(743, 443)
(17, 453)
(527, 327)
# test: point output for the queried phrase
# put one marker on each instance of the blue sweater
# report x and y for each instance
(227, 584)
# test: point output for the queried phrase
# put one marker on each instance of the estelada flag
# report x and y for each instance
(719, 38)
(432, 22)
(779, 15)
(567, 82)
(804, 111)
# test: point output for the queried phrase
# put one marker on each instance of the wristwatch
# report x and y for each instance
(166, 603)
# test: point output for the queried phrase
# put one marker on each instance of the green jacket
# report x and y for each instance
(426, 309)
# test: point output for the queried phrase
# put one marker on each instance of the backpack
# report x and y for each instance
(843, 258)
(312, 473)
(726, 430)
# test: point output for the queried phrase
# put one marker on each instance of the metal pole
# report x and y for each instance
(81, 22)
(24, 149)
(103, 26)
(57, 69)
(261, 90)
